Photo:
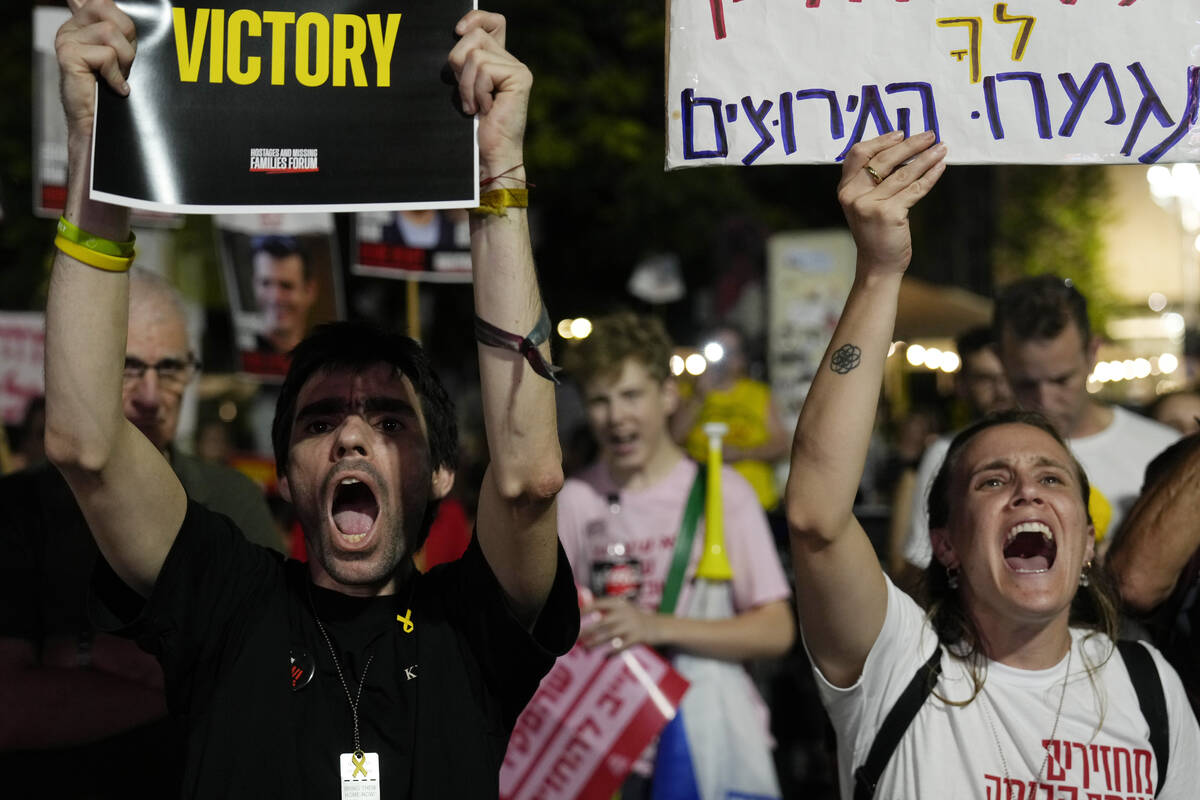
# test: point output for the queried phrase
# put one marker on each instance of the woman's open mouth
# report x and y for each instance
(1030, 548)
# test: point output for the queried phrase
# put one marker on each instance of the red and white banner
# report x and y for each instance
(588, 722)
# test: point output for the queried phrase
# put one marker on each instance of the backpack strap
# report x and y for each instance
(1147, 683)
(866, 777)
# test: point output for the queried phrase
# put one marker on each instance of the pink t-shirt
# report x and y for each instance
(647, 524)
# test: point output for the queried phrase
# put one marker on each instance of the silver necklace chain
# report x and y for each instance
(353, 701)
(1053, 730)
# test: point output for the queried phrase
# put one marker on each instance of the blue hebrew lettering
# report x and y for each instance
(928, 107)
(1152, 104)
(871, 109)
(689, 102)
(1190, 114)
(1079, 96)
(787, 123)
(757, 115)
(1041, 105)
(836, 129)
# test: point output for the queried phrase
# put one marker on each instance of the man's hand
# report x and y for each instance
(878, 212)
(494, 85)
(100, 39)
(621, 625)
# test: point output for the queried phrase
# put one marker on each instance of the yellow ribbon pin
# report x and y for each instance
(406, 620)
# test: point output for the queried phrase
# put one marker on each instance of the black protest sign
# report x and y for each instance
(333, 105)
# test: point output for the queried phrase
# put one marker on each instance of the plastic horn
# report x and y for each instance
(714, 564)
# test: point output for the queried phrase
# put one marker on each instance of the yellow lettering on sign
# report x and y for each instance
(189, 56)
(253, 28)
(383, 44)
(278, 20)
(216, 48)
(324, 50)
(305, 26)
(349, 42)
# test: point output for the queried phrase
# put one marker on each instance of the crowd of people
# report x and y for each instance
(1033, 635)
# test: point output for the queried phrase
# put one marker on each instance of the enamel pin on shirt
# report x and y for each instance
(302, 667)
(405, 619)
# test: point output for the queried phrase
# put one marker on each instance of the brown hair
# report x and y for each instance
(615, 338)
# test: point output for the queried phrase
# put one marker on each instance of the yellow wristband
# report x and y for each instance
(72, 233)
(93, 258)
(495, 201)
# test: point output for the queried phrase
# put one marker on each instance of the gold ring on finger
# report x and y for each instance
(875, 176)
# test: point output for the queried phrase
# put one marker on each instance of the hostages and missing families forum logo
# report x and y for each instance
(280, 160)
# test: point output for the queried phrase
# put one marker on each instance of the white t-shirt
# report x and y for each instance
(1003, 735)
(1114, 459)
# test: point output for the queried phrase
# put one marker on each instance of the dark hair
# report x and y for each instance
(281, 247)
(357, 346)
(970, 342)
(1040, 308)
(1095, 608)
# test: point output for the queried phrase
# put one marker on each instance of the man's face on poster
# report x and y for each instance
(284, 295)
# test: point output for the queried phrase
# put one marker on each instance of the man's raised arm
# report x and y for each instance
(517, 529)
(1161, 533)
(840, 589)
(132, 501)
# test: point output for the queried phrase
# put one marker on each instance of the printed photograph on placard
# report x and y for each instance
(425, 245)
(282, 276)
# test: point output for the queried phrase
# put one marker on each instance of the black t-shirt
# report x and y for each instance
(228, 620)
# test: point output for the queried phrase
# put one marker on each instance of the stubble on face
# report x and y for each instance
(359, 476)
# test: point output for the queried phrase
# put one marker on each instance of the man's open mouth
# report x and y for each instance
(354, 508)
(1030, 547)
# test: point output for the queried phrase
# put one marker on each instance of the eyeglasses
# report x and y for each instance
(173, 373)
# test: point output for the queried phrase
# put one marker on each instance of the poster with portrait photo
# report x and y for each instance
(282, 277)
(426, 245)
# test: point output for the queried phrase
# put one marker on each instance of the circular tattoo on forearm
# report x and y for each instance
(845, 358)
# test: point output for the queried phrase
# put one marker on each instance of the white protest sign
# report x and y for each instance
(22, 351)
(1031, 81)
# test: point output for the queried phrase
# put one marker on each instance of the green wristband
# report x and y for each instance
(99, 244)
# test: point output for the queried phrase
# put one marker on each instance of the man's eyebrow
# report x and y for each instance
(321, 408)
(394, 405)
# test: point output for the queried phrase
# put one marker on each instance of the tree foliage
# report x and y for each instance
(1049, 221)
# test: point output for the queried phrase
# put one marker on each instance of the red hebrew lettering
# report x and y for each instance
(559, 679)
(1087, 772)
(990, 779)
(1122, 769)
(1141, 768)
(1013, 783)
(1055, 770)
(1104, 752)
